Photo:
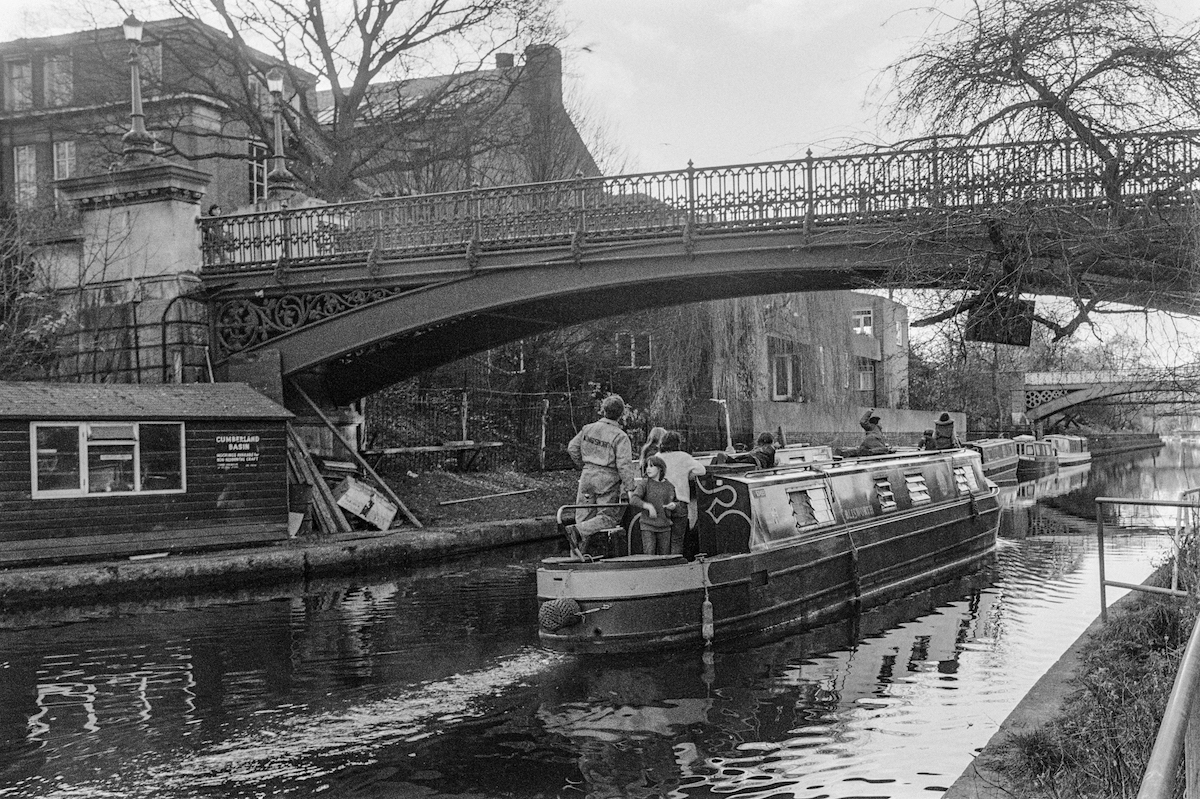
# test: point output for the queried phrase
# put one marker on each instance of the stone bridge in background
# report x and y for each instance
(367, 293)
(1048, 397)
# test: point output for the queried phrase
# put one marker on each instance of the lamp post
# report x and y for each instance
(137, 142)
(279, 181)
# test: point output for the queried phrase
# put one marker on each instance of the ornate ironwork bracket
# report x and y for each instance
(280, 270)
(247, 322)
(373, 260)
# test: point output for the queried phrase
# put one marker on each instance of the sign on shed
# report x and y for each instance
(365, 502)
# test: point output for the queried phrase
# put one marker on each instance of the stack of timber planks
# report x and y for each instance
(303, 470)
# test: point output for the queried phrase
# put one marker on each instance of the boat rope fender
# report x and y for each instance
(706, 610)
(556, 614)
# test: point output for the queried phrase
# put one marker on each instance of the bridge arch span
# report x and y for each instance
(364, 348)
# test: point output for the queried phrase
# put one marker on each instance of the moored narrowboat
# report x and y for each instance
(1069, 450)
(1035, 458)
(782, 549)
(999, 456)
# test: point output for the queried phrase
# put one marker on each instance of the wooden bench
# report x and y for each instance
(466, 451)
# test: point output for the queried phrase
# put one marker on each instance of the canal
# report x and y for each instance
(430, 683)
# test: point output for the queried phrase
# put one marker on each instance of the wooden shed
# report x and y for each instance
(93, 470)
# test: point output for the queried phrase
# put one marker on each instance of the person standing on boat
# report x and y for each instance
(603, 452)
(928, 441)
(681, 468)
(874, 442)
(944, 437)
(656, 498)
(653, 442)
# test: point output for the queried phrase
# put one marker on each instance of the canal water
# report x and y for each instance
(430, 683)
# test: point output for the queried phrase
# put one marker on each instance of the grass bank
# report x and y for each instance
(1099, 744)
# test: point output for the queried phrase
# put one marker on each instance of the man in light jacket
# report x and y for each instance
(603, 452)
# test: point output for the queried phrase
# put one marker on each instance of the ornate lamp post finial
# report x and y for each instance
(138, 143)
(279, 181)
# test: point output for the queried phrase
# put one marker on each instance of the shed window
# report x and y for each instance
(82, 458)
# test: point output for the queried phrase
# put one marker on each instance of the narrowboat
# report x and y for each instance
(1069, 450)
(1035, 458)
(999, 456)
(781, 549)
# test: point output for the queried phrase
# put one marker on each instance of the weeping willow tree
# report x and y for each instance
(703, 350)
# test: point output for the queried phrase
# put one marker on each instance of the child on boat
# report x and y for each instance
(656, 498)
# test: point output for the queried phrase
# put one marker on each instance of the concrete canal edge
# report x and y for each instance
(258, 566)
(1042, 704)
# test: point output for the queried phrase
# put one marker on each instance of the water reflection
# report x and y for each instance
(431, 684)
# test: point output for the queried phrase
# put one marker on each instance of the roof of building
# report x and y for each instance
(135, 402)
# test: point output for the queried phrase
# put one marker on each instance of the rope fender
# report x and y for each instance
(556, 614)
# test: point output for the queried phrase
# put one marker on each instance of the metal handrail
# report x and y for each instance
(1175, 733)
(1150, 589)
(834, 190)
(1159, 780)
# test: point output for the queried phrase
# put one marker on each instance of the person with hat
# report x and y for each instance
(604, 454)
(943, 433)
(874, 442)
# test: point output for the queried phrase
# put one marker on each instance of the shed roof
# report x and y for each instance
(135, 402)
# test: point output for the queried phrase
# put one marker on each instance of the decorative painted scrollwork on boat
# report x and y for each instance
(250, 321)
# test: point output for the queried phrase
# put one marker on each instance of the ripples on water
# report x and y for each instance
(432, 684)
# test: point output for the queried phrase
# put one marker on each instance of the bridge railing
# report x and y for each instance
(834, 190)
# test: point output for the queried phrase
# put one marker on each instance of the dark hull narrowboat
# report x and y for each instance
(999, 456)
(1034, 458)
(784, 548)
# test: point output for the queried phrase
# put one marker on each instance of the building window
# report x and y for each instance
(58, 79)
(64, 159)
(862, 322)
(866, 374)
(25, 173)
(633, 350)
(784, 362)
(259, 159)
(89, 458)
(18, 85)
(899, 334)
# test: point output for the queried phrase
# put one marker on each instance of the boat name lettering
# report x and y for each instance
(857, 513)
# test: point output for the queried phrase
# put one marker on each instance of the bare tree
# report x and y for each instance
(1108, 77)
(31, 319)
(409, 96)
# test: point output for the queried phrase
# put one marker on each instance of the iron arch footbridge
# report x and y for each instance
(1048, 397)
(370, 292)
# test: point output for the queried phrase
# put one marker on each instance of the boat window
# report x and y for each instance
(885, 495)
(811, 507)
(918, 492)
(964, 479)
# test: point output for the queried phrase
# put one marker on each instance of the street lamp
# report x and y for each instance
(279, 181)
(138, 143)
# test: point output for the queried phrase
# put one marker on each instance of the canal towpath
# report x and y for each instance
(289, 561)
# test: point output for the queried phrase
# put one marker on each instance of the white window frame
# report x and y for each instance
(862, 322)
(58, 79)
(14, 100)
(782, 362)
(25, 184)
(259, 161)
(627, 357)
(866, 377)
(64, 160)
(82, 430)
